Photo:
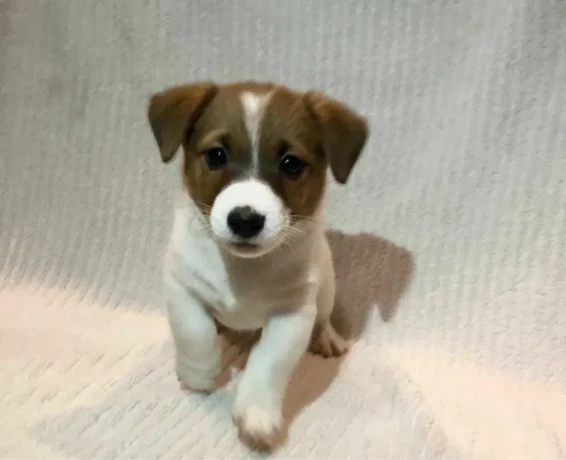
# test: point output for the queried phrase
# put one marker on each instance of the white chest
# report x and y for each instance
(199, 265)
(241, 294)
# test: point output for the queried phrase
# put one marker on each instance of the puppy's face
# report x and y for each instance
(255, 155)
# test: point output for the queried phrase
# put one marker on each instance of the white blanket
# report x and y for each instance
(450, 240)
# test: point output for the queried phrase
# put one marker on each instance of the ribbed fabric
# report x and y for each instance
(450, 239)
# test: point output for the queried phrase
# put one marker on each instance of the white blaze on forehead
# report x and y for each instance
(254, 105)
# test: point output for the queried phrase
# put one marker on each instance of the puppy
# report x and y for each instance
(248, 248)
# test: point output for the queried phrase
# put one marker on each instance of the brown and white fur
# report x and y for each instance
(281, 279)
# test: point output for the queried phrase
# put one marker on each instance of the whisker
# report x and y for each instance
(306, 219)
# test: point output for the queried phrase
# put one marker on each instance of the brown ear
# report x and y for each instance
(173, 112)
(344, 133)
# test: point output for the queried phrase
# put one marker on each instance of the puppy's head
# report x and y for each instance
(255, 155)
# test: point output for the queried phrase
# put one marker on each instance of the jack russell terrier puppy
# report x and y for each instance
(248, 248)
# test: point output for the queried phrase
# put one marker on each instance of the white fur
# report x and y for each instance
(260, 197)
(254, 105)
(284, 292)
(270, 365)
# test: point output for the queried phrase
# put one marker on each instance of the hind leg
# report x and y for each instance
(325, 340)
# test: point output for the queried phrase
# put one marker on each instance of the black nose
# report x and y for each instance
(245, 222)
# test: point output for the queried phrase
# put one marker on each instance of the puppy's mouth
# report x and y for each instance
(247, 249)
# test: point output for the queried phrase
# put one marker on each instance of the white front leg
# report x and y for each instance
(195, 337)
(257, 408)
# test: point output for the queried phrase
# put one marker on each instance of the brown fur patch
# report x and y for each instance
(173, 112)
(222, 122)
(311, 126)
(343, 133)
(288, 127)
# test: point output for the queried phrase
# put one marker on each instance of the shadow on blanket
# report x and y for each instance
(370, 273)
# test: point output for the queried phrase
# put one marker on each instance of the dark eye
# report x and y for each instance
(291, 165)
(216, 157)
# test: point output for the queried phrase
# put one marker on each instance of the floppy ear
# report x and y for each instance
(173, 112)
(343, 132)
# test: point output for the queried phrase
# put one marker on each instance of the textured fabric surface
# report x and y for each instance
(449, 240)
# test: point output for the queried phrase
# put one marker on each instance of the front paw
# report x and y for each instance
(258, 427)
(203, 381)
